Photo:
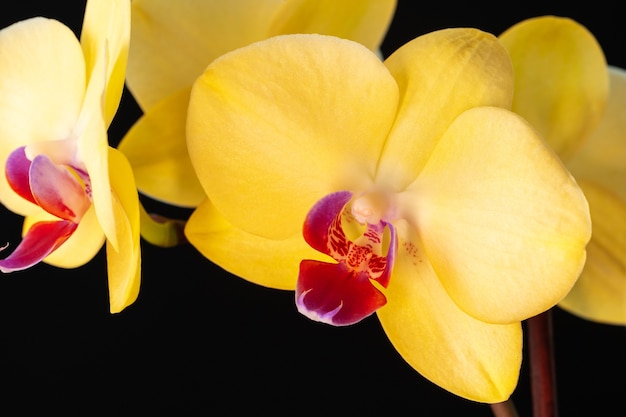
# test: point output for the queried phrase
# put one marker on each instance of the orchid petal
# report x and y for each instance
(515, 224)
(123, 261)
(41, 239)
(320, 217)
(106, 28)
(336, 294)
(600, 292)
(81, 247)
(466, 68)
(365, 21)
(17, 169)
(282, 155)
(271, 263)
(561, 82)
(470, 358)
(57, 190)
(602, 158)
(157, 150)
(211, 28)
(38, 101)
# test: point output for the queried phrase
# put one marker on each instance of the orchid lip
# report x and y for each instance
(353, 232)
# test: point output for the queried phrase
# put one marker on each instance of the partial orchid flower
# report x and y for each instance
(173, 41)
(57, 99)
(565, 89)
(404, 188)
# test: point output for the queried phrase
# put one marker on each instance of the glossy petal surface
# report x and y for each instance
(600, 292)
(157, 40)
(515, 224)
(561, 82)
(281, 153)
(106, 28)
(157, 150)
(124, 261)
(41, 91)
(466, 68)
(267, 262)
(365, 21)
(468, 357)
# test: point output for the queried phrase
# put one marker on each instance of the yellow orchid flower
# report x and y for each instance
(404, 187)
(166, 56)
(562, 88)
(58, 96)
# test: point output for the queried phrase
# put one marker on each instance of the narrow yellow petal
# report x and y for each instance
(80, 248)
(191, 34)
(602, 159)
(271, 263)
(440, 75)
(364, 21)
(42, 84)
(600, 292)
(106, 27)
(503, 223)
(561, 82)
(123, 261)
(157, 150)
(275, 126)
(470, 358)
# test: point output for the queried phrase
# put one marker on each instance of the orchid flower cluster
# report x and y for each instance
(462, 185)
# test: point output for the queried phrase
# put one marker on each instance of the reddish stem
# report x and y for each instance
(542, 371)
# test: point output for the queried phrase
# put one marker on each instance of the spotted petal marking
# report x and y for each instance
(343, 293)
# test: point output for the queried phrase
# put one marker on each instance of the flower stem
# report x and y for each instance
(542, 371)
(504, 409)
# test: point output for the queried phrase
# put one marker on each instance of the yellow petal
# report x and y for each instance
(561, 82)
(271, 263)
(465, 356)
(80, 248)
(365, 21)
(602, 158)
(123, 261)
(600, 292)
(157, 150)
(42, 84)
(502, 221)
(440, 75)
(189, 33)
(106, 26)
(268, 141)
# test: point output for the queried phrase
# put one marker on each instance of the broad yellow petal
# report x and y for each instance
(600, 292)
(157, 150)
(189, 33)
(467, 357)
(561, 82)
(502, 221)
(275, 126)
(440, 75)
(365, 21)
(267, 262)
(602, 159)
(42, 84)
(123, 261)
(106, 27)
(80, 248)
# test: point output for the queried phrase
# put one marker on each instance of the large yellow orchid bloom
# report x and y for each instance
(562, 84)
(423, 198)
(57, 99)
(172, 43)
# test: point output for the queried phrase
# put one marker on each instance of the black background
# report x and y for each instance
(199, 341)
